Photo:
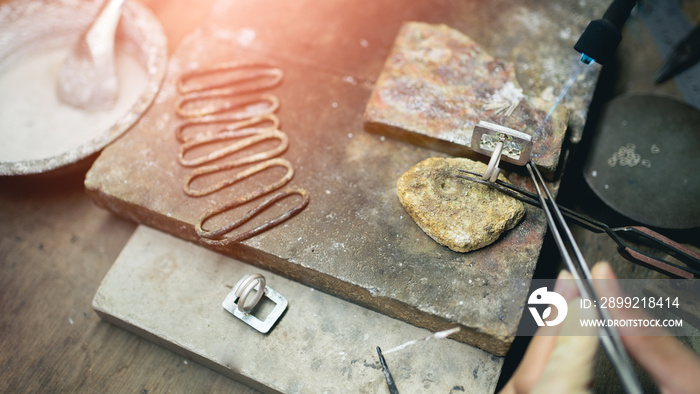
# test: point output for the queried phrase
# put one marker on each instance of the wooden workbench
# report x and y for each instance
(55, 248)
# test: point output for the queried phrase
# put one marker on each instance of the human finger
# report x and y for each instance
(570, 365)
(543, 342)
(674, 367)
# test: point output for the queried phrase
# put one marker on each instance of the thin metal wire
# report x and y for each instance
(197, 105)
(245, 139)
(228, 102)
(238, 77)
(222, 124)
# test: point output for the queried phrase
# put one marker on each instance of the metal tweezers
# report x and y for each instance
(491, 138)
(637, 234)
(609, 337)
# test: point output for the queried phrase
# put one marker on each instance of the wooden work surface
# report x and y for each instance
(55, 248)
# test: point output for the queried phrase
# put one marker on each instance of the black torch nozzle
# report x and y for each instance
(600, 39)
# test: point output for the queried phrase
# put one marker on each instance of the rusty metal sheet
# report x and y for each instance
(354, 239)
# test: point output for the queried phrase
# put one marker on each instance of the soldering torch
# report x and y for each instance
(600, 39)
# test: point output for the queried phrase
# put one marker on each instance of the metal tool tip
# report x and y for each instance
(663, 75)
(387, 375)
(587, 59)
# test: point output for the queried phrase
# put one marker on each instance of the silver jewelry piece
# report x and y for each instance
(236, 302)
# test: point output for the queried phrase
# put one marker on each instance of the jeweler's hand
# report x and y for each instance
(554, 361)
(674, 367)
(556, 364)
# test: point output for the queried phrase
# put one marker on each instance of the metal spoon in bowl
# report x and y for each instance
(87, 79)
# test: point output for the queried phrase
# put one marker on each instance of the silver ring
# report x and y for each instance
(243, 289)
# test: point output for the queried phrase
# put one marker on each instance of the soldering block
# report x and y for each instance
(437, 84)
(455, 212)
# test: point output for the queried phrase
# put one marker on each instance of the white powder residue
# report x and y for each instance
(505, 99)
(508, 93)
(35, 124)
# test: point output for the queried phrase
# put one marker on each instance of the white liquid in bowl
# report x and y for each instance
(35, 124)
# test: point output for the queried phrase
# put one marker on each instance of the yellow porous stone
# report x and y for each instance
(455, 212)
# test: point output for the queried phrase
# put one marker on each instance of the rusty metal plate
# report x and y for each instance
(354, 239)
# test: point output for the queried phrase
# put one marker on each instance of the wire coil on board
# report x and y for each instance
(228, 105)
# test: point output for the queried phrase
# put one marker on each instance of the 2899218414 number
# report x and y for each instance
(639, 302)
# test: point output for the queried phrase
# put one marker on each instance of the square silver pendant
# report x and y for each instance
(517, 146)
(230, 304)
